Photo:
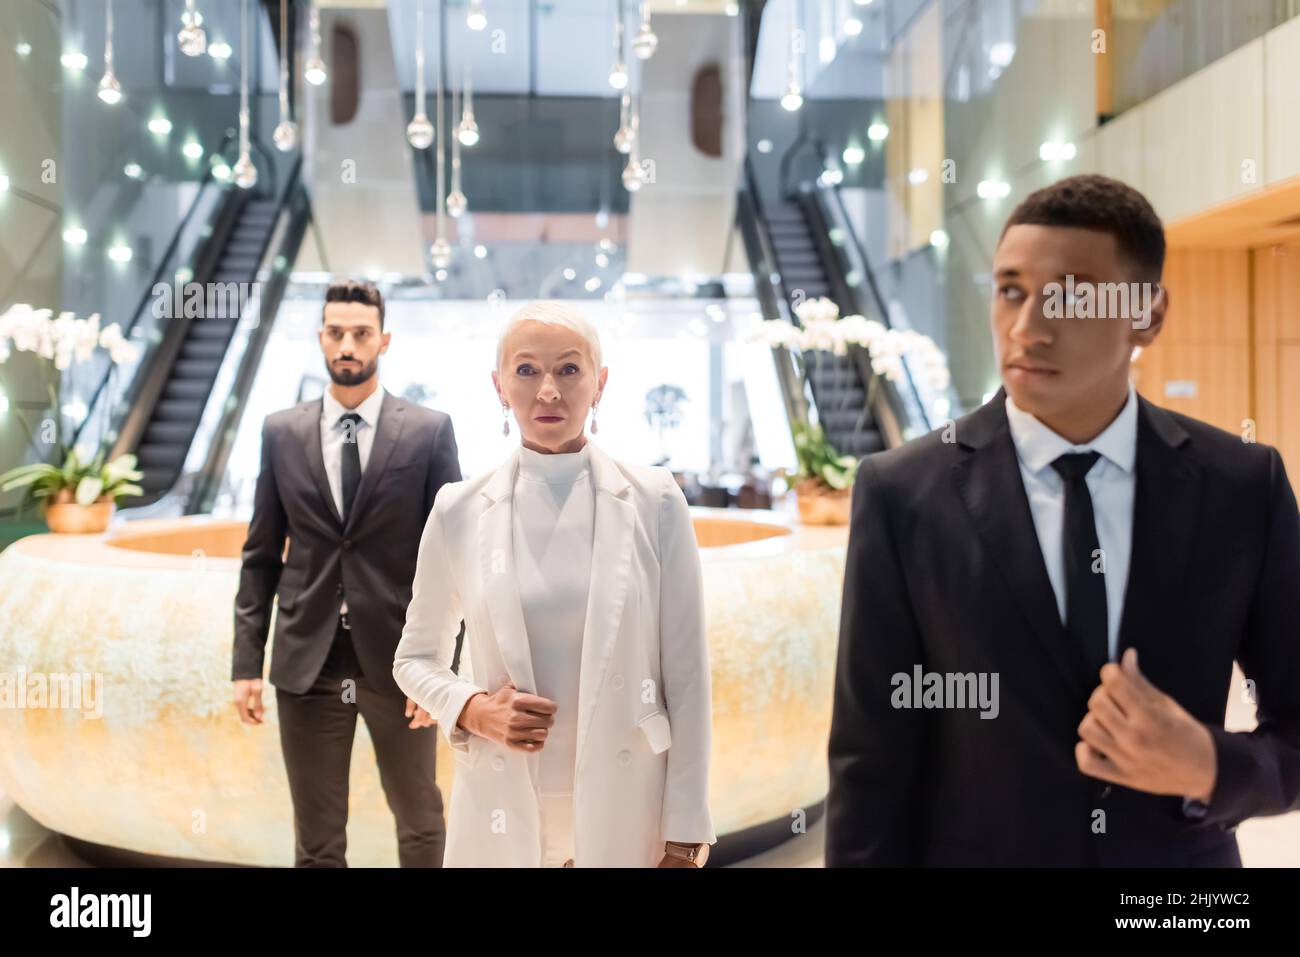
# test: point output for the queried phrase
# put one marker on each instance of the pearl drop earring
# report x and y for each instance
(594, 427)
(505, 420)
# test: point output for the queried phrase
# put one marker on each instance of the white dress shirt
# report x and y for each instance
(1111, 483)
(331, 441)
(554, 516)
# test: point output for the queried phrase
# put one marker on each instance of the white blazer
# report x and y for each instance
(644, 730)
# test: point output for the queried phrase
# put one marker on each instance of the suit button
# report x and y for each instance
(498, 763)
(338, 589)
(616, 682)
(347, 544)
(625, 758)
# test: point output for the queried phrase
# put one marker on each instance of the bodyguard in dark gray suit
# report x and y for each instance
(348, 480)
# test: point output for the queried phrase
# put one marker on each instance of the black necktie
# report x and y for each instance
(1085, 590)
(351, 422)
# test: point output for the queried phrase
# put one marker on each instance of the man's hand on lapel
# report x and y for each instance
(1137, 736)
(422, 718)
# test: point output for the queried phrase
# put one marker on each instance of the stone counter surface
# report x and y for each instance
(151, 756)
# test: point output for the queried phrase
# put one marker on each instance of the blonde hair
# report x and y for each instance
(552, 312)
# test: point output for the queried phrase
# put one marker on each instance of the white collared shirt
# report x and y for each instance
(331, 441)
(1111, 483)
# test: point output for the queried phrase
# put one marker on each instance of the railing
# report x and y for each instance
(770, 291)
(898, 409)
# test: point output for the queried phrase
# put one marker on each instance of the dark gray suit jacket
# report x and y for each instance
(945, 571)
(370, 558)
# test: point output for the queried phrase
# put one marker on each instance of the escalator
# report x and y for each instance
(837, 383)
(237, 252)
(801, 246)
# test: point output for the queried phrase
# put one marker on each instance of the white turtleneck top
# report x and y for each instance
(554, 519)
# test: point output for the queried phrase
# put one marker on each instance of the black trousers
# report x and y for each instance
(316, 733)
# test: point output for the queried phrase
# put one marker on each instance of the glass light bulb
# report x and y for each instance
(441, 253)
(419, 132)
(245, 172)
(623, 139)
(632, 175)
(467, 131)
(792, 100)
(285, 135)
(476, 18)
(618, 76)
(110, 91)
(193, 40)
(456, 204)
(314, 72)
(645, 42)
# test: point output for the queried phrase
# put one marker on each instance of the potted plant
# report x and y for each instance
(79, 490)
(825, 479)
(79, 497)
(824, 490)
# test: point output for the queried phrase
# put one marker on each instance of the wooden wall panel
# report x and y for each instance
(1277, 350)
(1200, 364)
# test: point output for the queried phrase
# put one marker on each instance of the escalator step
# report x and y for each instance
(196, 369)
(157, 480)
(244, 248)
(168, 433)
(178, 410)
(203, 349)
(241, 265)
(213, 329)
(187, 391)
(161, 456)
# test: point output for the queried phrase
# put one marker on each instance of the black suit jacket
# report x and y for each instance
(944, 570)
(370, 559)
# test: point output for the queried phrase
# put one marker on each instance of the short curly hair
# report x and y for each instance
(355, 290)
(1104, 204)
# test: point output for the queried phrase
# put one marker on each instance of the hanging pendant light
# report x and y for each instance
(792, 99)
(286, 131)
(419, 132)
(441, 249)
(645, 42)
(314, 70)
(634, 176)
(467, 129)
(623, 138)
(110, 91)
(476, 18)
(245, 173)
(192, 38)
(618, 74)
(456, 201)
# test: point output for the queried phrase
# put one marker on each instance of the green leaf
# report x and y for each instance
(124, 490)
(71, 466)
(88, 489)
(27, 475)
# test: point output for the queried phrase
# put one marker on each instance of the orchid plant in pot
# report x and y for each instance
(79, 489)
(825, 477)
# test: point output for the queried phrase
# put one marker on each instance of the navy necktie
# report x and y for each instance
(1085, 590)
(351, 468)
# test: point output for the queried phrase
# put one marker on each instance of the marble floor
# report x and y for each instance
(1265, 842)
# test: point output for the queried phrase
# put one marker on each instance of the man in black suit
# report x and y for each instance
(349, 479)
(1093, 565)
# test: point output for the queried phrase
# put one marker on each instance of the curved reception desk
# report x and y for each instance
(117, 728)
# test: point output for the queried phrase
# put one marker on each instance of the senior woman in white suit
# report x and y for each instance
(581, 729)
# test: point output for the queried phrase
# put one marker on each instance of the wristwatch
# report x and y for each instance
(696, 854)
